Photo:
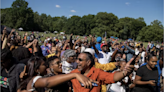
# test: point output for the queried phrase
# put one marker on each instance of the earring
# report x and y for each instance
(52, 69)
(38, 73)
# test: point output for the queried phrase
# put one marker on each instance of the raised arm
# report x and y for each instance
(4, 42)
(65, 45)
(35, 46)
(76, 43)
(70, 42)
(13, 30)
(28, 45)
(113, 55)
(25, 38)
(105, 40)
(126, 72)
(4, 33)
(93, 44)
(131, 50)
(58, 51)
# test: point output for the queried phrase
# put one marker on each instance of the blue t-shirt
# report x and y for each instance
(45, 50)
(28, 37)
(159, 71)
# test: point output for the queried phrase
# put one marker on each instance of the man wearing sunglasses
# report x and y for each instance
(85, 63)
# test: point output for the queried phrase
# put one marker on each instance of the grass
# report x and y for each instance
(145, 44)
(60, 37)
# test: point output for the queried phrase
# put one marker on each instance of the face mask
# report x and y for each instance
(126, 51)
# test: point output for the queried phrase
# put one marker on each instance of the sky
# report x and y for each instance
(150, 10)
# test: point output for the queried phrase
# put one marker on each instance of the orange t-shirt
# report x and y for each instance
(24, 37)
(94, 74)
(30, 49)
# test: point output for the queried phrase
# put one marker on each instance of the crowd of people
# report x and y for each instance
(90, 64)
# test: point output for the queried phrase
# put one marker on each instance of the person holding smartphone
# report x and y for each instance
(147, 76)
(86, 67)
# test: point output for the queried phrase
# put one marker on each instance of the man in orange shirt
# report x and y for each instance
(85, 66)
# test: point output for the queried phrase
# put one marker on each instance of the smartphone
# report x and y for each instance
(93, 84)
(135, 56)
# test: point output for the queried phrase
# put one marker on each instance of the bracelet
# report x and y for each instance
(124, 73)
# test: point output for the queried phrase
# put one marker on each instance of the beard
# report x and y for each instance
(82, 69)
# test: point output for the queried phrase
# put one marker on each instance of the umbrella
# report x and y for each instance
(61, 32)
(130, 39)
(111, 37)
(55, 31)
(20, 29)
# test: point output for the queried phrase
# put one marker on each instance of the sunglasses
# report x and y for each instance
(80, 59)
(57, 63)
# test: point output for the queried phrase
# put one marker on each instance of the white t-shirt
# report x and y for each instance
(33, 83)
(142, 61)
(104, 58)
(158, 46)
(136, 51)
(117, 87)
(66, 67)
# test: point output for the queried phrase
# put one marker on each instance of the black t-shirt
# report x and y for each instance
(146, 75)
(4, 81)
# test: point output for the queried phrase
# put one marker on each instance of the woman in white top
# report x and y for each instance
(33, 81)
(119, 86)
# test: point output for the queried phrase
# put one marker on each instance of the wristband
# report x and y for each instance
(124, 73)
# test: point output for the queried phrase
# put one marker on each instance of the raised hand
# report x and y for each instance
(13, 30)
(58, 49)
(90, 35)
(35, 42)
(4, 31)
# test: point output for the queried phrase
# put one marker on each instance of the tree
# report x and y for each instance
(19, 15)
(157, 23)
(88, 23)
(150, 33)
(129, 27)
(104, 22)
(72, 25)
(59, 23)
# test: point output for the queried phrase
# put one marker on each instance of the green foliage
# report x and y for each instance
(20, 15)
(152, 32)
